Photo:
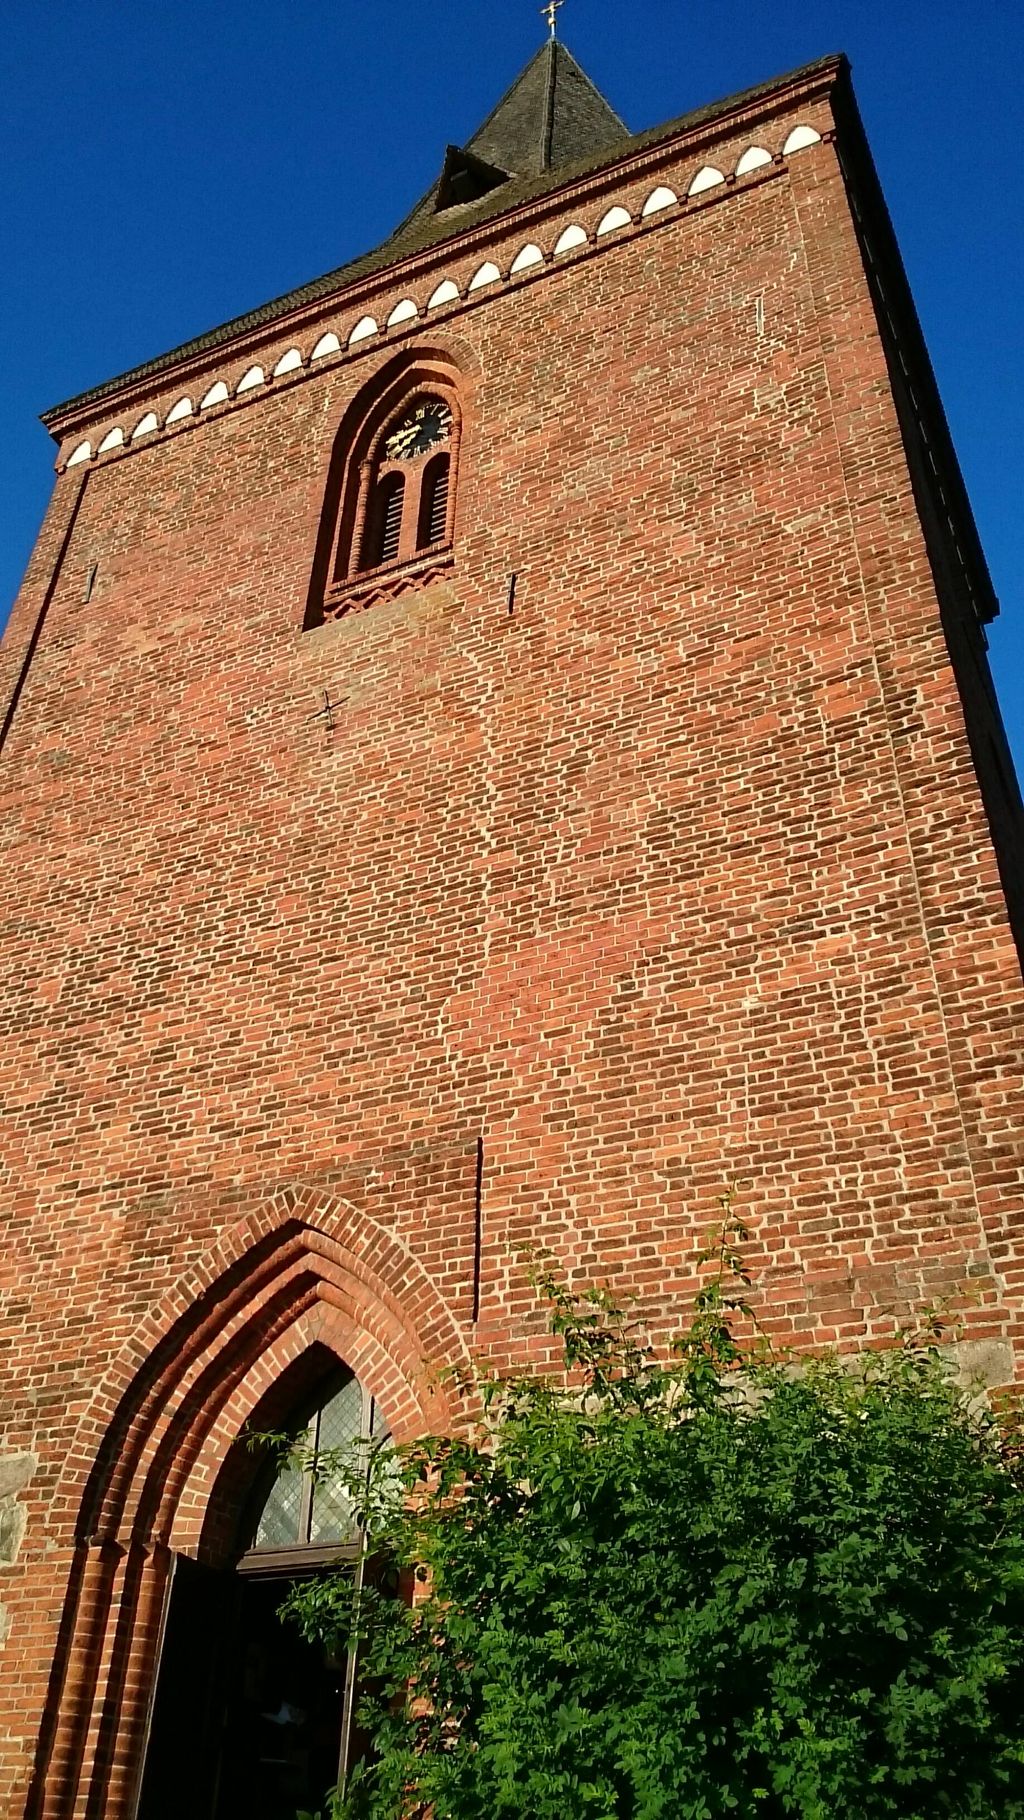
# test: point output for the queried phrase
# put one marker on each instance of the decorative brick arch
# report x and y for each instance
(217, 1487)
(302, 1249)
(154, 1467)
(431, 367)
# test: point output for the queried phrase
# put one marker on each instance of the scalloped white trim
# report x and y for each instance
(755, 157)
(707, 179)
(527, 255)
(616, 217)
(446, 292)
(661, 198)
(800, 137)
(570, 237)
(752, 160)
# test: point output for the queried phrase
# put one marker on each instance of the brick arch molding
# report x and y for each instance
(154, 1461)
(432, 364)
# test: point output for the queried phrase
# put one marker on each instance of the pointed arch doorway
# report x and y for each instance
(248, 1720)
(155, 1475)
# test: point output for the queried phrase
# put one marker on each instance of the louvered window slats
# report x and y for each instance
(439, 506)
(434, 505)
(385, 528)
(391, 522)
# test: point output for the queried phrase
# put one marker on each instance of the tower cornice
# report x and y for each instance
(455, 231)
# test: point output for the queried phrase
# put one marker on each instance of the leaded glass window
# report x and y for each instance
(308, 1505)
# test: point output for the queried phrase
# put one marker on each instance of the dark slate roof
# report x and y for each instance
(551, 116)
(551, 128)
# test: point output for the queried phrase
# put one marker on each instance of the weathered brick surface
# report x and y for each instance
(679, 875)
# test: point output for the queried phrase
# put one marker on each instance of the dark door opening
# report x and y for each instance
(247, 1716)
(282, 1717)
(249, 1721)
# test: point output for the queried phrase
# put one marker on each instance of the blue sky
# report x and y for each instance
(171, 163)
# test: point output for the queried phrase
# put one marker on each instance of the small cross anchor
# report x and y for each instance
(550, 13)
(326, 713)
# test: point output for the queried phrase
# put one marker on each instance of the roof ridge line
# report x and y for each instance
(577, 65)
(499, 104)
(547, 130)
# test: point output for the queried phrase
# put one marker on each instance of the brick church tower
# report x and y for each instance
(497, 745)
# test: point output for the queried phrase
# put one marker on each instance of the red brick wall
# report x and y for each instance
(678, 876)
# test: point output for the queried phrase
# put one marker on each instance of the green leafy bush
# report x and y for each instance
(725, 1587)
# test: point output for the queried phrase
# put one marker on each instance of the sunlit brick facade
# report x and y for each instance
(650, 829)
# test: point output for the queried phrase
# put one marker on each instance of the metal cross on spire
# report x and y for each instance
(550, 13)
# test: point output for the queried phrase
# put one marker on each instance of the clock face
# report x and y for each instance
(427, 424)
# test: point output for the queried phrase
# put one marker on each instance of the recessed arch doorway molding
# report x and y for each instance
(155, 1471)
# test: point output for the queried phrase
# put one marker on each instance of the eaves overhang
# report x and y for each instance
(409, 250)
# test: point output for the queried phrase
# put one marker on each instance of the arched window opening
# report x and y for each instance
(392, 491)
(308, 1508)
(433, 525)
(384, 522)
(406, 484)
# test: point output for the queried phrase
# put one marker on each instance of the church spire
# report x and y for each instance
(552, 115)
